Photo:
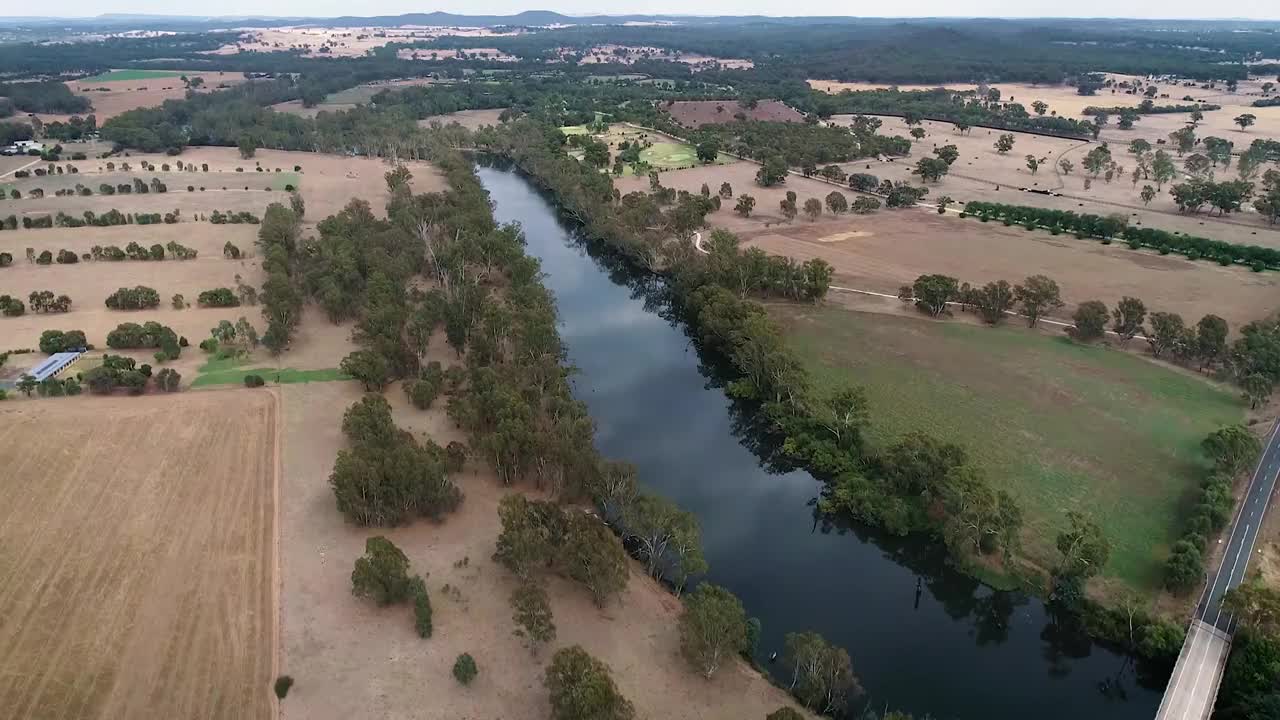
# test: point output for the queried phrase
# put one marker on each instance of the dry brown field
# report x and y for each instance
(137, 556)
(483, 53)
(469, 119)
(352, 659)
(983, 174)
(696, 113)
(606, 54)
(886, 249)
(342, 41)
(124, 95)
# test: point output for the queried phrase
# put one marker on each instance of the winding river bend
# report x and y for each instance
(924, 638)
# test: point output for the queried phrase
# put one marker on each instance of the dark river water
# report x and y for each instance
(924, 638)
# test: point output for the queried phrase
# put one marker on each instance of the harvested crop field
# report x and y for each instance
(119, 91)
(696, 113)
(137, 580)
(469, 119)
(1014, 400)
(888, 248)
(353, 659)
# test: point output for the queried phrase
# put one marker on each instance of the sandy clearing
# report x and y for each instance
(351, 659)
(137, 584)
(903, 244)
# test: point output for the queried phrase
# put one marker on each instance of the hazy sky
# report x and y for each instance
(1258, 9)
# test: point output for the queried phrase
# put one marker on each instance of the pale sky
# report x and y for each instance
(1170, 9)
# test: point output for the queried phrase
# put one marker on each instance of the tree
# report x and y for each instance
(581, 688)
(1148, 193)
(1162, 168)
(1232, 448)
(533, 614)
(1040, 107)
(1084, 547)
(821, 674)
(1198, 165)
(367, 366)
(382, 574)
(1218, 150)
(1066, 166)
(421, 606)
(1036, 296)
(1244, 120)
(948, 154)
(1139, 147)
(745, 205)
(594, 557)
(1256, 604)
(726, 190)
(837, 203)
(464, 669)
(1004, 143)
(1167, 331)
(772, 172)
(27, 384)
(712, 628)
(247, 146)
(1257, 388)
(994, 300)
(1090, 320)
(1184, 139)
(933, 292)
(788, 208)
(660, 531)
(813, 208)
(1097, 159)
(931, 169)
(1033, 164)
(708, 150)
(864, 205)
(1211, 340)
(1128, 316)
(917, 133)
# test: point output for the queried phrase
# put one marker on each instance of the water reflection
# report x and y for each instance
(923, 637)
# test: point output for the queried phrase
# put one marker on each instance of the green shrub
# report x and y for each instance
(283, 683)
(254, 381)
(464, 669)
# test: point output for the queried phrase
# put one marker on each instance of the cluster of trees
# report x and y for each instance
(140, 297)
(382, 575)
(56, 341)
(281, 298)
(50, 96)
(233, 217)
(151, 334)
(11, 306)
(1116, 226)
(218, 297)
(44, 301)
(1035, 297)
(121, 372)
(49, 387)
(386, 477)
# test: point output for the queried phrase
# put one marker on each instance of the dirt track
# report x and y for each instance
(136, 546)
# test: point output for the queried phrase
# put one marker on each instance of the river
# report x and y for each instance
(923, 637)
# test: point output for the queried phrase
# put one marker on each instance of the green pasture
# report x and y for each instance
(118, 75)
(232, 371)
(1060, 425)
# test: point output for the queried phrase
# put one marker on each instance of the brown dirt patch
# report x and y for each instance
(138, 583)
(696, 113)
(469, 119)
(120, 96)
(352, 659)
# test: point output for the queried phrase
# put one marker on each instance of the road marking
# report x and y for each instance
(1218, 614)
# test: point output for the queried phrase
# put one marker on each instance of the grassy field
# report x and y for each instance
(232, 371)
(661, 155)
(1060, 425)
(118, 75)
(280, 181)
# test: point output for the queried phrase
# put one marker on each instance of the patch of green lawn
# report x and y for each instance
(231, 371)
(285, 180)
(1060, 425)
(118, 75)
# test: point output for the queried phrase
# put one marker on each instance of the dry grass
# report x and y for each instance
(137, 580)
(695, 113)
(341, 41)
(123, 95)
(898, 245)
(352, 659)
(470, 119)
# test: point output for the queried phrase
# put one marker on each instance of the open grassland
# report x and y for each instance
(1060, 425)
(232, 371)
(120, 75)
(136, 557)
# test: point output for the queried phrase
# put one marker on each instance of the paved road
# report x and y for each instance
(1240, 541)
(1194, 685)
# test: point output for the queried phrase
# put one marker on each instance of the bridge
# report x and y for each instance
(1194, 685)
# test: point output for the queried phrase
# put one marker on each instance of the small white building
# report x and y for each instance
(24, 147)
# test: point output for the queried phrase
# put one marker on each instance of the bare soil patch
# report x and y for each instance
(138, 579)
(352, 659)
(696, 113)
(469, 119)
